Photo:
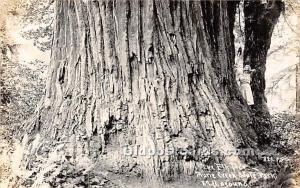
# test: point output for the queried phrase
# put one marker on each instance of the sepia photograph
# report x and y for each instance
(149, 93)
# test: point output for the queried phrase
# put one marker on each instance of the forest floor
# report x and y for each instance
(283, 149)
(281, 152)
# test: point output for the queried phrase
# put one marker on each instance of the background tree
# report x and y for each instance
(22, 79)
(38, 23)
(259, 26)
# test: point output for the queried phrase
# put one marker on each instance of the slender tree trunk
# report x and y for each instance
(3, 62)
(298, 89)
(298, 74)
(153, 74)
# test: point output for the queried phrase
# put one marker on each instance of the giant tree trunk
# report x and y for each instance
(151, 73)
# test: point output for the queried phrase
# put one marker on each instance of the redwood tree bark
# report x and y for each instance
(153, 73)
